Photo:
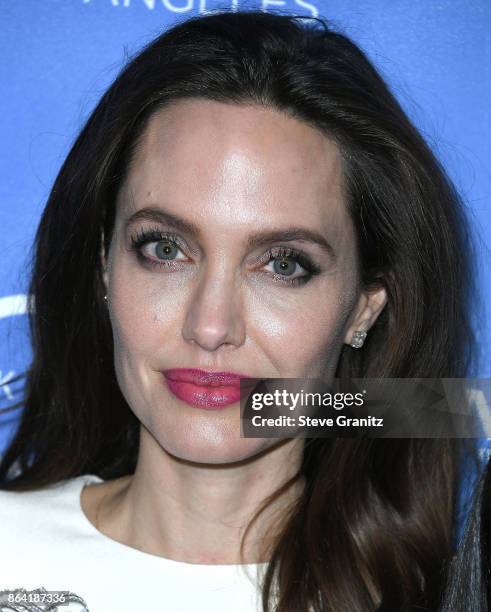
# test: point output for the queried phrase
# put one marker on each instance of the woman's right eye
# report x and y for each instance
(163, 250)
(154, 248)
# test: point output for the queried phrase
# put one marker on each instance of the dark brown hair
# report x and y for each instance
(468, 585)
(375, 522)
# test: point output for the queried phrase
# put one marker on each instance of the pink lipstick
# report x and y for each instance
(204, 389)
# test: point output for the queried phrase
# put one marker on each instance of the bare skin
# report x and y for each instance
(231, 171)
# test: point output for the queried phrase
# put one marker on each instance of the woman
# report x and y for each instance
(247, 199)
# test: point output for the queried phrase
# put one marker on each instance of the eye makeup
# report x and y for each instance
(169, 241)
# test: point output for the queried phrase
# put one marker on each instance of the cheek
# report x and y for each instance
(145, 313)
(302, 333)
(141, 322)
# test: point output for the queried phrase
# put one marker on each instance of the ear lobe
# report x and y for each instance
(370, 306)
(103, 260)
(105, 280)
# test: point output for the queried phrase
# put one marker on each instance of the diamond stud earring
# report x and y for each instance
(358, 338)
(105, 297)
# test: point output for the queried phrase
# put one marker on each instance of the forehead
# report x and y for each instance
(249, 163)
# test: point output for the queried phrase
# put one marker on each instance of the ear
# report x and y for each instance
(370, 305)
(103, 259)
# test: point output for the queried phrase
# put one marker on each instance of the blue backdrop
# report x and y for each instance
(58, 56)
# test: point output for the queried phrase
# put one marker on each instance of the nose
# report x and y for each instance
(214, 314)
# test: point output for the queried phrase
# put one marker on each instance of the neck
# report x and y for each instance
(198, 513)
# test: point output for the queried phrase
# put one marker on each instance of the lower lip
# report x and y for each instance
(204, 396)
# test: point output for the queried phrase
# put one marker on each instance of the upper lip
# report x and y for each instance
(204, 377)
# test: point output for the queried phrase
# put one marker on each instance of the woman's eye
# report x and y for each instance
(162, 250)
(286, 266)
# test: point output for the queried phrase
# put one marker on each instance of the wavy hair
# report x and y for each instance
(468, 584)
(374, 525)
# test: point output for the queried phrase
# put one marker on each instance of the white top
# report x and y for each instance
(46, 541)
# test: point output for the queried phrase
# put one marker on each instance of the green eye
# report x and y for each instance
(284, 266)
(290, 266)
(166, 249)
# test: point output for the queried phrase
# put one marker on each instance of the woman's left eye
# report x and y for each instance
(291, 266)
(288, 267)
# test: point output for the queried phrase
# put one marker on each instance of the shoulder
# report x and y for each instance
(42, 495)
(24, 514)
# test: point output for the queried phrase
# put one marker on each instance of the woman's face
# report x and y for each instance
(232, 251)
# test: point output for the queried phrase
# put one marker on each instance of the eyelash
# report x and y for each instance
(156, 235)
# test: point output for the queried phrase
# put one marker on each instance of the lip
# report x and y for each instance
(204, 388)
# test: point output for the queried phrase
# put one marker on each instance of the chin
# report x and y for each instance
(219, 450)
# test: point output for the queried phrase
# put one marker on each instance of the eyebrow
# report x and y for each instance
(158, 215)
